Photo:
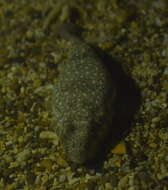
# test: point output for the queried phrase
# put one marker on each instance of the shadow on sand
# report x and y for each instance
(127, 104)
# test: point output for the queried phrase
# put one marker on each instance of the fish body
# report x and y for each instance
(83, 100)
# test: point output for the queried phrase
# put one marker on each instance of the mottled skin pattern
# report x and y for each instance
(82, 103)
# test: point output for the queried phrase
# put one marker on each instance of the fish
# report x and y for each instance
(83, 100)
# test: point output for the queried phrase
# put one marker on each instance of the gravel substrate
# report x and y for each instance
(31, 155)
